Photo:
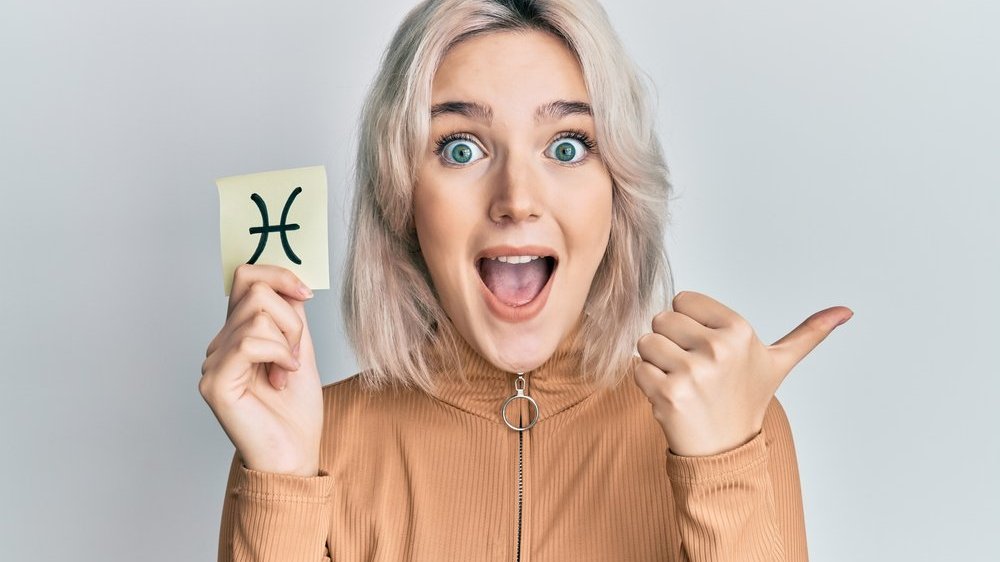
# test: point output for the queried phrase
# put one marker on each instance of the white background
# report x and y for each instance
(823, 153)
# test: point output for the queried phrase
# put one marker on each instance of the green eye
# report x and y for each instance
(567, 149)
(461, 151)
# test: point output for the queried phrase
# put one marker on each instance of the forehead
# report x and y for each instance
(509, 69)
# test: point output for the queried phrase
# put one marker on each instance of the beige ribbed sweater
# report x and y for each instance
(405, 476)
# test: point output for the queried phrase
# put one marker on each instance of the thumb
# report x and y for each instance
(306, 351)
(792, 348)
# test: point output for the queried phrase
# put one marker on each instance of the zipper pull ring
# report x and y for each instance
(519, 384)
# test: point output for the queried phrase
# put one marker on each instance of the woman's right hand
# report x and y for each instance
(270, 406)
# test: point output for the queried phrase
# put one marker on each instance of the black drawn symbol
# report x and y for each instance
(281, 228)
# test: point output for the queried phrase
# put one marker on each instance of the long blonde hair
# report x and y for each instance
(389, 304)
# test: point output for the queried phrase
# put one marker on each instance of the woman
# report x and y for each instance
(506, 242)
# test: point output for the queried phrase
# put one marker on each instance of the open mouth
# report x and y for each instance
(516, 284)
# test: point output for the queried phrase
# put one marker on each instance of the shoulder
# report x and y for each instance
(350, 413)
(352, 398)
(343, 385)
(775, 418)
(777, 429)
(361, 422)
(345, 394)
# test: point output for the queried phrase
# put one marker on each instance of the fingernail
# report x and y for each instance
(295, 350)
(844, 320)
(305, 291)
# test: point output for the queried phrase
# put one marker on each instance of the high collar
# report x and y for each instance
(555, 385)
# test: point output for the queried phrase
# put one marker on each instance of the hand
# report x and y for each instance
(710, 379)
(269, 404)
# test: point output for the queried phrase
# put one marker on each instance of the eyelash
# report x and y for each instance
(569, 133)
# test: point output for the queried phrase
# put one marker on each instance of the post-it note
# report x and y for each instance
(276, 218)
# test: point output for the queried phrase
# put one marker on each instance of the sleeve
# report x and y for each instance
(744, 504)
(274, 517)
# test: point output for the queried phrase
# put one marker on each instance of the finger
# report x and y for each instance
(260, 325)
(704, 309)
(794, 346)
(654, 383)
(252, 350)
(661, 352)
(263, 326)
(304, 340)
(681, 329)
(280, 279)
(262, 298)
(277, 377)
(648, 377)
(262, 350)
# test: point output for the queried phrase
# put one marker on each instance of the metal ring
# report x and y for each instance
(503, 412)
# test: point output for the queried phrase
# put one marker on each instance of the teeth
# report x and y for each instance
(515, 259)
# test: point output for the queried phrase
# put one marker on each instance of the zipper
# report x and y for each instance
(519, 393)
(520, 489)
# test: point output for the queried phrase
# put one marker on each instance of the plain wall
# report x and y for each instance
(822, 154)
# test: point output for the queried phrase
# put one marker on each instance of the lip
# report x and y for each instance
(497, 251)
(526, 311)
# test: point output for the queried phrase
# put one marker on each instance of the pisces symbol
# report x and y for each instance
(281, 228)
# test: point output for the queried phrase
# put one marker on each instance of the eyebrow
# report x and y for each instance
(553, 110)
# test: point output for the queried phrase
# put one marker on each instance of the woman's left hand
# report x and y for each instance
(710, 379)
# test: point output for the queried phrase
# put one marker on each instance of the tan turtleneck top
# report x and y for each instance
(406, 476)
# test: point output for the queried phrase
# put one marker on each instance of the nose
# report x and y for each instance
(516, 192)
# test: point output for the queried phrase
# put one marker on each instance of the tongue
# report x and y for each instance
(515, 283)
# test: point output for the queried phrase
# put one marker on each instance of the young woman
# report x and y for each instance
(506, 258)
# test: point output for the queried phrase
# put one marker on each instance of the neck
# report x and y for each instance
(475, 385)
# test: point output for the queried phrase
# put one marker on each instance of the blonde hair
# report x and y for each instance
(389, 304)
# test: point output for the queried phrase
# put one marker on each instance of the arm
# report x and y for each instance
(274, 517)
(744, 504)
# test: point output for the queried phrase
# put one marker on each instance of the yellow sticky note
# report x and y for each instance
(275, 218)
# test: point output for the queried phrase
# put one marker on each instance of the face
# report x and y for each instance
(511, 169)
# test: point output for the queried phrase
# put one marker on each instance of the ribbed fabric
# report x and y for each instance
(405, 476)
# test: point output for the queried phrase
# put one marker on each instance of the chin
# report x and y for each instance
(516, 340)
(522, 364)
(518, 348)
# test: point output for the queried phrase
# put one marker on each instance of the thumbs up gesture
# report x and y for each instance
(710, 379)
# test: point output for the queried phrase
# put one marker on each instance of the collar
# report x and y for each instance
(555, 385)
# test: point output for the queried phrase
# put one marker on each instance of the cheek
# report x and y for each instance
(440, 216)
(598, 235)
(429, 207)
(588, 229)
(442, 228)
(589, 212)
